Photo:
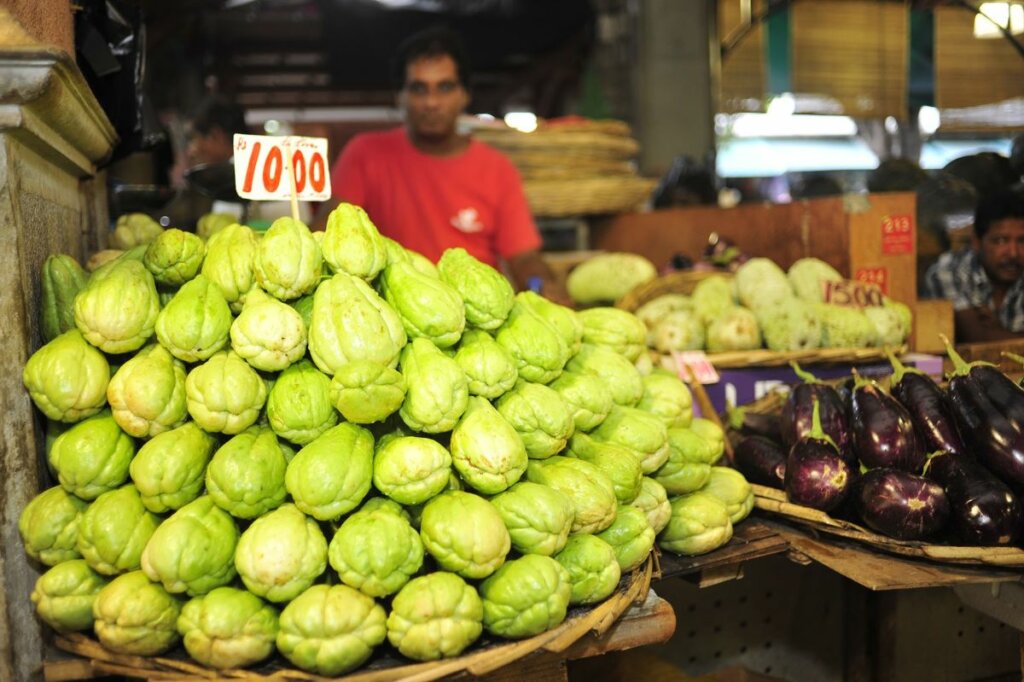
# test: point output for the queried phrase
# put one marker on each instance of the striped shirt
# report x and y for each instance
(960, 278)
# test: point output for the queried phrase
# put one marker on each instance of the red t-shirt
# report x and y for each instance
(428, 204)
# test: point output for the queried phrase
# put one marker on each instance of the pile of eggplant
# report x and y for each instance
(919, 462)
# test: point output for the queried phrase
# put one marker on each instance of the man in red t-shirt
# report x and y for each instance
(430, 188)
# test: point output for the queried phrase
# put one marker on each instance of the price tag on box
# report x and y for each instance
(264, 165)
(898, 234)
(851, 294)
(879, 276)
(696, 360)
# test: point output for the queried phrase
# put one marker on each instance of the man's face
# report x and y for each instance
(210, 147)
(1002, 250)
(433, 97)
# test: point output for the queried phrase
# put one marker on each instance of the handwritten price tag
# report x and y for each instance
(703, 370)
(898, 234)
(264, 164)
(851, 294)
(874, 275)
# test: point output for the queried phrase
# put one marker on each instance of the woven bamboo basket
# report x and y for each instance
(481, 659)
(586, 196)
(567, 144)
(605, 126)
(684, 282)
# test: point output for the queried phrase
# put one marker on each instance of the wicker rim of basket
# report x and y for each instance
(592, 142)
(587, 195)
(679, 282)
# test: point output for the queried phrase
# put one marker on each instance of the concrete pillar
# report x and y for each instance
(53, 134)
(675, 77)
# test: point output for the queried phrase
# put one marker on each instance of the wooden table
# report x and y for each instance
(752, 539)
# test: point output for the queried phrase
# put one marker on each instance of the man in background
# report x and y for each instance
(986, 282)
(429, 187)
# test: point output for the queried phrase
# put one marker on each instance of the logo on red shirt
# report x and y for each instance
(467, 220)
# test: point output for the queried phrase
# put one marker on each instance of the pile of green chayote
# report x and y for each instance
(316, 442)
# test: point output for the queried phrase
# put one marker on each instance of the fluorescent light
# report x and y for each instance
(783, 105)
(485, 117)
(928, 120)
(993, 17)
(272, 126)
(799, 125)
(524, 121)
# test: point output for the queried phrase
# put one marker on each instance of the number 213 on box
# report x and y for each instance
(263, 164)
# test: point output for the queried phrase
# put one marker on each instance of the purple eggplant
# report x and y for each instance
(796, 414)
(929, 409)
(986, 424)
(749, 423)
(901, 505)
(883, 434)
(983, 510)
(816, 475)
(761, 460)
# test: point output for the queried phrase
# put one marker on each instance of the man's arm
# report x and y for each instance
(980, 324)
(529, 264)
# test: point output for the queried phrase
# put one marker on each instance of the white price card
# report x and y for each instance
(265, 167)
(704, 371)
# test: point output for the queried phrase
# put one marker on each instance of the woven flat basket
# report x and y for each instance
(566, 144)
(587, 196)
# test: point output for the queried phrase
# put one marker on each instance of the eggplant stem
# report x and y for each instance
(803, 374)
(1013, 356)
(928, 461)
(960, 365)
(899, 370)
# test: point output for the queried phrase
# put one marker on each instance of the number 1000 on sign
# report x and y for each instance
(263, 164)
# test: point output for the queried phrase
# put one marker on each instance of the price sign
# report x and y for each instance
(898, 234)
(878, 276)
(696, 360)
(851, 293)
(265, 165)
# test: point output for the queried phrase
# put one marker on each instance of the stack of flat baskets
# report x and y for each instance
(580, 167)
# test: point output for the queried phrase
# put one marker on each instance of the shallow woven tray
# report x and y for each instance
(587, 196)
(483, 657)
(570, 143)
(773, 501)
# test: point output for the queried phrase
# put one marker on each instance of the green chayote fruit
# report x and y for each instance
(733, 490)
(565, 320)
(147, 393)
(352, 243)
(428, 307)
(667, 397)
(193, 551)
(423, 264)
(230, 263)
(618, 463)
(641, 432)
(135, 616)
(586, 396)
(228, 628)
(174, 257)
(246, 475)
(593, 569)
(631, 536)
(366, 392)
(288, 261)
(351, 322)
(436, 390)
(487, 295)
(465, 534)
(653, 502)
(196, 323)
(62, 279)
(225, 394)
(537, 346)
(67, 378)
(304, 306)
(92, 457)
(539, 416)
(210, 224)
(64, 595)
(299, 405)
(688, 466)
(699, 524)
(330, 630)
(490, 369)
(134, 229)
(587, 487)
(49, 526)
(486, 450)
(114, 530)
(396, 252)
(617, 373)
(168, 470)
(376, 552)
(435, 616)
(330, 476)
(538, 518)
(712, 434)
(116, 311)
(268, 334)
(281, 554)
(615, 329)
(526, 597)
(411, 470)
